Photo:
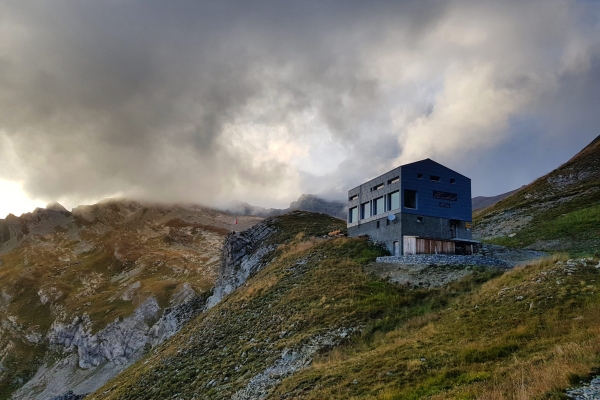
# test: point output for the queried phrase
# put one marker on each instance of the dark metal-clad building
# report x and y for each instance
(422, 207)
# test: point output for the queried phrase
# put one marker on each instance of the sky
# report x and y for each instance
(210, 102)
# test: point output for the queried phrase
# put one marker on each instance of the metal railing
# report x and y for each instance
(461, 234)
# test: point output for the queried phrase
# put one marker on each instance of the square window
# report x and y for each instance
(434, 178)
(420, 176)
(419, 219)
(452, 180)
(394, 180)
(410, 199)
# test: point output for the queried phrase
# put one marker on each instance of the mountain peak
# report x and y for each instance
(56, 206)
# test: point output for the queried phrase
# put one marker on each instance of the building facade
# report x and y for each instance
(422, 207)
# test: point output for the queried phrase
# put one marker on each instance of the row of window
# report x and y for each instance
(435, 178)
(387, 222)
(380, 186)
(382, 204)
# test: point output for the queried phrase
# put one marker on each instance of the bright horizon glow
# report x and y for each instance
(13, 200)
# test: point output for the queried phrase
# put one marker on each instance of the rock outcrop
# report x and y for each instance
(291, 362)
(244, 253)
(117, 342)
(92, 359)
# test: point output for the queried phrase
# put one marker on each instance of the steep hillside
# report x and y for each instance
(83, 292)
(559, 211)
(311, 324)
(481, 202)
(306, 202)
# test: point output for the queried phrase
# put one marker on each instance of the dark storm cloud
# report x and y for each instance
(207, 101)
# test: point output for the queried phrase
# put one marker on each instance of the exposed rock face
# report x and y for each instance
(186, 306)
(116, 342)
(244, 253)
(92, 359)
(291, 361)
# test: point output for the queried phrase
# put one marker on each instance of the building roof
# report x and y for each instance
(429, 160)
(426, 160)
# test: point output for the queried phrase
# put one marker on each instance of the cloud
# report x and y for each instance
(210, 102)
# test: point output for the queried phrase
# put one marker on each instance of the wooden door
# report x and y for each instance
(410, 245)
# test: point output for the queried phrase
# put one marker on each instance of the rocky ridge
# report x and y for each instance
(306, 202)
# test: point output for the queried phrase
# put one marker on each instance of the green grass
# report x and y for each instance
(578, 227)
(242, 336)
(469, 339)
(477, 347)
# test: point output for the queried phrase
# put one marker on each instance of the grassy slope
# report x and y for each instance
(569, 213)
(488, 343)
(528, 333)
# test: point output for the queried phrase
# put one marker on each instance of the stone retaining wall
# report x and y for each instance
(441, 259)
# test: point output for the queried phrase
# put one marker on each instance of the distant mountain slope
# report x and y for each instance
(306, 202)
(559, 211)
(481, 202)
(83, 292)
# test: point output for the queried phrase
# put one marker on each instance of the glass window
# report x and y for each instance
(393, 200)
(365, 210)
(353, 214)
(378, 205)
(410, 199)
